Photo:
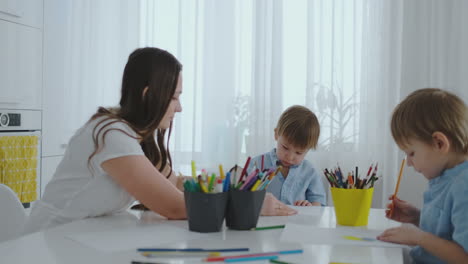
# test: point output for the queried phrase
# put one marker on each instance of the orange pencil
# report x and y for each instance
(397, 185)
(350, 181)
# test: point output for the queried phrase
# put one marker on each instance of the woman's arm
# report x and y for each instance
(143, 181)
(178, 181)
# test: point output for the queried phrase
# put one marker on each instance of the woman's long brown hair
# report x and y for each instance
(143, 110)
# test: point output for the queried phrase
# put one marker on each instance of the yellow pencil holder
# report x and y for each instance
(352, 206)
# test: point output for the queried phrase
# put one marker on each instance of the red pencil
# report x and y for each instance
(370, 169)
(244, 169)
(263, 160)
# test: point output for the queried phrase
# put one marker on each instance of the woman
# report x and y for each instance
(120, 155)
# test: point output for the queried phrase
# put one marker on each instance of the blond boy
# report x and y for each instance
(298, 183)
(431, 127)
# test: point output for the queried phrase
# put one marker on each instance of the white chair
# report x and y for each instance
(12, 214)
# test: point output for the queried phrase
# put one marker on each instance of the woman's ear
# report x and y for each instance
(145, 90)
(441, 142)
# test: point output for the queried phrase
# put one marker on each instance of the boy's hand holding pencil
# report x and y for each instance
(403, 211)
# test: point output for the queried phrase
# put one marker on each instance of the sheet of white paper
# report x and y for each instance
(306, 210)
(333, 236)
(134, 237)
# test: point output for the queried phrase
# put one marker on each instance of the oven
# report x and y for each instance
(20, 152)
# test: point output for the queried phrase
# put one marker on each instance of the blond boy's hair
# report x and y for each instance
(299, 126)
(430, 110)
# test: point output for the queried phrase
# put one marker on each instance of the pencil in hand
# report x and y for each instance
(392, 205)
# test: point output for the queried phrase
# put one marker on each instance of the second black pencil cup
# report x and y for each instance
(244, 209)
(205, 211)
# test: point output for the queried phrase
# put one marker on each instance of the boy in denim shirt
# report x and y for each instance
(431, 127)
(298, 182)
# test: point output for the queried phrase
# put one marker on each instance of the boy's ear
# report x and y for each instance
(441, 142)
(276, 134)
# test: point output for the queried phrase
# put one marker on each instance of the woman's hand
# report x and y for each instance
(178, 181)
(302, 203)
(271, 206)
(407, 234)
(402, 211)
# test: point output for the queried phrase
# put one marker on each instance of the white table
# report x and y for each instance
(55, 246)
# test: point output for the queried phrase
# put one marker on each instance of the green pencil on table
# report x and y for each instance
(279, 261)
(268, 227)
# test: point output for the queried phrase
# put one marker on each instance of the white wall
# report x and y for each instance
(435, 54)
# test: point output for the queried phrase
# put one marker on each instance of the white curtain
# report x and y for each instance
(96, 38)
(350, 62)
(434, 54)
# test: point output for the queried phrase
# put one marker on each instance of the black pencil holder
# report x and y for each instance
(205, 211)
(244, 209)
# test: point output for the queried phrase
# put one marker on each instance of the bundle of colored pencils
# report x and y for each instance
(205, 183)
(256, 180)
(352, 180)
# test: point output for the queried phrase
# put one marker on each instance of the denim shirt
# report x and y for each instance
(302, 183)
(445, 211)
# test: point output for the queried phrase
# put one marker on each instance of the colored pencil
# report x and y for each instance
(244, 170)
(279, 261)
(146, 262)
(221, 171)
(249, 178)
(210, 184)
(268, 227)
(194, 170)
(296, 251)
(180, 254)
(397, 186)
(192, 249)
(256, 184)
(251, 258)
(399, 177)
(202, 185)
(263, 162)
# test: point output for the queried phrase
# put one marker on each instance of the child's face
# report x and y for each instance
(287, 153)
(424, 158)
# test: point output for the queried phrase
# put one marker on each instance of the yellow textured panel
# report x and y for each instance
(18, 165)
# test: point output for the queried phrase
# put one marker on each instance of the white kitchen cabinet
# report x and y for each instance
(49, 165)
(20, 66)
(23, 12)
(56, 107)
